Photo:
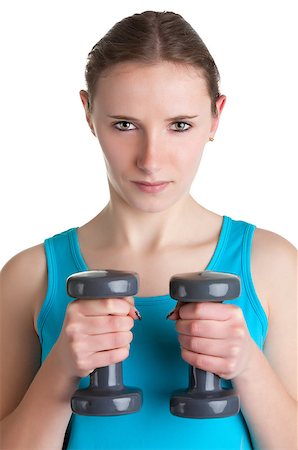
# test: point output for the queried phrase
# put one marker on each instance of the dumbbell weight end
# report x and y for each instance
(204, 398)
(106, 395)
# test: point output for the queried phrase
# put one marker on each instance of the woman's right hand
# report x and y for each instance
(95, 333)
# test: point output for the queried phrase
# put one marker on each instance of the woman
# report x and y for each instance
(153, 102)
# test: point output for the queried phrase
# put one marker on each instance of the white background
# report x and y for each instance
(52, 172)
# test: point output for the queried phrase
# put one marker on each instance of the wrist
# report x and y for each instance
(65, 383)
(253, 365)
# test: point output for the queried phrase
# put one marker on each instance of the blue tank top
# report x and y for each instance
(154, 363)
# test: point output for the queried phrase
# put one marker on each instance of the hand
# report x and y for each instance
(214, 337)
(95, 333)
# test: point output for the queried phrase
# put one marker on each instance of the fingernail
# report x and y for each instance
(171, 313)
(138, 314)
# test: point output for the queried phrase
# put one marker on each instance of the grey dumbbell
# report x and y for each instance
(204, 397)
(106, 394)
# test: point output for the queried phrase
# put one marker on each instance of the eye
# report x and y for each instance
(181, 130)
(125, 128)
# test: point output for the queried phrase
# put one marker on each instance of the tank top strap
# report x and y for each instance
(61, 263)
(235, 258)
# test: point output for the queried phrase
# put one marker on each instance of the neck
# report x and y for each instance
(141, 231)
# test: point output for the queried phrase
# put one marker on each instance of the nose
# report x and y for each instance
(150, 156)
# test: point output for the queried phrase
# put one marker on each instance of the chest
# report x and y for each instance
(154, 269)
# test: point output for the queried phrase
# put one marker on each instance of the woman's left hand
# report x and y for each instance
(214, 337)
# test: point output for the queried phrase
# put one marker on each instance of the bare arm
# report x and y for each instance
(215, 338)
(36, 400)
(268, 388)
(28, 394)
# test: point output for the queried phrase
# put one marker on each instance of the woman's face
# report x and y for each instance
(140, 119)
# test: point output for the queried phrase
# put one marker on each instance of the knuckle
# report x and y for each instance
(129, 322)
(77, 348)
(193, 343)
(239, 332)
(231, 366)
(120, 323)
(129, 336)
(236, 313)
(118, 355)
(124, 353)
(234, 350)
(198, 361)
(81, 365)
(228, 368)
(71, 330)
(194, 327)
(72, 310)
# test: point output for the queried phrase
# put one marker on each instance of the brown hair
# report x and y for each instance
(149, 38)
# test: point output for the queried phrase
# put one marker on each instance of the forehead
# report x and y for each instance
(144, 84)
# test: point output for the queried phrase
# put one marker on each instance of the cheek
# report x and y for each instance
(115, 153)
(115, 162)
(188, 160)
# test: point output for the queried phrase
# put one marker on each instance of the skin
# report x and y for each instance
(152, 145)
(94, 334)
(213, 337)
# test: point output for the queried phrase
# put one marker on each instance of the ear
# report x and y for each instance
(85, 100)
(220, 103)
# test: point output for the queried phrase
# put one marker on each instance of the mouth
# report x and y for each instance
(157, 186)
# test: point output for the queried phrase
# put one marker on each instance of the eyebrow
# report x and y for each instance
(185, 116)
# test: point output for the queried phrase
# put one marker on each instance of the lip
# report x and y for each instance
(158, 186)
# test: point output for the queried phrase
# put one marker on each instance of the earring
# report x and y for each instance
(211, 139)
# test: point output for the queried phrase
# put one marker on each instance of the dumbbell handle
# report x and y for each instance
(107, 377)
(201, 381)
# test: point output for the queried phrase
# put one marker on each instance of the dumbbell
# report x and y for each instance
(106, 394)
(204, 397)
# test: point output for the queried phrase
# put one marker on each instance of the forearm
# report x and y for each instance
(40, 420)
(270, 412)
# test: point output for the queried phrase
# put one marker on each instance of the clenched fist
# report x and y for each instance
(214, 337)
(95, 333)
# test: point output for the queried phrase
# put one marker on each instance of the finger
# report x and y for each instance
(108, 341)
(203, 328)
(101, 307)
(133, 312)
(204, 362)
(209, 311)
(211, 347)
(174, 314)
(105, 324)
(108, 357)
(130, 300)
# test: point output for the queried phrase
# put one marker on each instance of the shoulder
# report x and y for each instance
(24, 279)
(274, 270)
(23, 284)
(273, 265)
(273, 250)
